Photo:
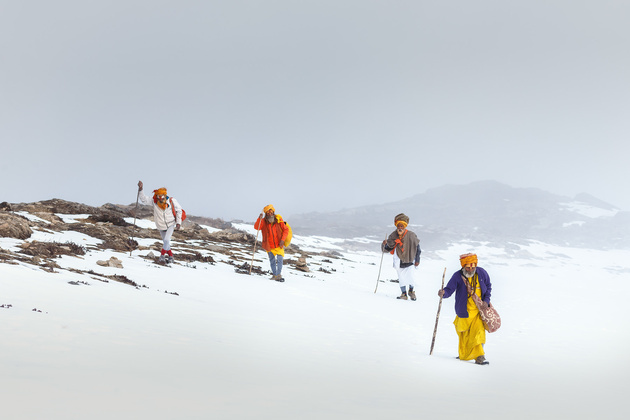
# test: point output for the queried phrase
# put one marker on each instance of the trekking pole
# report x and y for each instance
(437, 317)
(135, 213)
(379, 270)
(254, 253)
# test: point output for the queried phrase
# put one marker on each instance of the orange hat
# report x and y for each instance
(398, 222)
(160, 191)
(468, 259)
(269, 207)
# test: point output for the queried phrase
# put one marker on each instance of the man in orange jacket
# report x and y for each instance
(275, 232)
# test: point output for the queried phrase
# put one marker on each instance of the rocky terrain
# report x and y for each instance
(110, 224)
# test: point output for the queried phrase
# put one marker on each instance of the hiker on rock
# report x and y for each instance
(167, 214)
(275, 232)
(405, 246)
(468, 324)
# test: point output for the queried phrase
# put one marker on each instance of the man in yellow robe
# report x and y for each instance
(275, 232)
(468, 324)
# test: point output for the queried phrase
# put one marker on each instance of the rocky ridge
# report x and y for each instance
(191, 244)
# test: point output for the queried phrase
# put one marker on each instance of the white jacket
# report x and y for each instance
(163, 218)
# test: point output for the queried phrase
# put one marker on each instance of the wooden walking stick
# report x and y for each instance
(379, 270)
(437, 317)
(254, 253)
(135, 213)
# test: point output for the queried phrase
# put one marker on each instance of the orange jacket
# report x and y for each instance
(273, 235)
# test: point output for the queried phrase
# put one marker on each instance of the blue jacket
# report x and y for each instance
(457, 285)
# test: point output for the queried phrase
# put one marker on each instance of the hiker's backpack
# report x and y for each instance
(175, 214)
(287, 241)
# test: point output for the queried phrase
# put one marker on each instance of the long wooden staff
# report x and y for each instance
(135, 213)
(437, 317)
(379, 269)
(254, 253)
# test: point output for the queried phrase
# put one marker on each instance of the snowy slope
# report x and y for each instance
(320, 345)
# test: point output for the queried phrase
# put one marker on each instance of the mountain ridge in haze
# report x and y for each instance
(483, 211)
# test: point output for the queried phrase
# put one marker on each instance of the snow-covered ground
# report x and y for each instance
(588, 210)
(319, 346)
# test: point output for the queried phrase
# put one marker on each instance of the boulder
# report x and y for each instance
(14, 226)
(233, 235)
(112, 262)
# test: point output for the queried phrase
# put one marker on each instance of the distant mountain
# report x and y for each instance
(485, 211)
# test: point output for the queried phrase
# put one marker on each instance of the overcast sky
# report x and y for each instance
(311, 105)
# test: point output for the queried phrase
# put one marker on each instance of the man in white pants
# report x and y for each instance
(405, 246)
(167, 214)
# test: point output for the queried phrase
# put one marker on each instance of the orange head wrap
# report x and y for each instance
(468, 259)
(401, 218)
(269, 207)
(159, 191)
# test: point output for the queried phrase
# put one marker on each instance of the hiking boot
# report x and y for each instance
(279, 278)
(412, 294)
(161, 260)
(273, 277)
(169, 259)
(403, 296)
(481, 360)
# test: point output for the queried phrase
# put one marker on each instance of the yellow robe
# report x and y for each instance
(471, 333)
(277, 251)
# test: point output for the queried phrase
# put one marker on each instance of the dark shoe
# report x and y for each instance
(412, 294)
(161, 260)
(403, 296)
(169, 260)
(481, 360)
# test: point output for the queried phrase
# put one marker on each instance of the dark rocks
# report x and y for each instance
(245, 269)
(51, 249)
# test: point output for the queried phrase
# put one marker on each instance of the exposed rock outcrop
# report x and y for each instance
(14, 226)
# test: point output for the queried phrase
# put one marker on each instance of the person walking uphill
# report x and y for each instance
(167, 214)
(275, 232)
(468, 324)
(405, 246)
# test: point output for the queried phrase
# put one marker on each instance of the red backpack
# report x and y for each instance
(175, 214)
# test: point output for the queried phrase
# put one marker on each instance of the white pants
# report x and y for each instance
(406, 276)
(166, 237)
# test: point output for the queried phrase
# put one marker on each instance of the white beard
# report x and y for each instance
(469, 274)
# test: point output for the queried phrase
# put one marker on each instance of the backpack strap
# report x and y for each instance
(173, 208)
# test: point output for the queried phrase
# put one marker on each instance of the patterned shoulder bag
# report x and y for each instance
(489, 315)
